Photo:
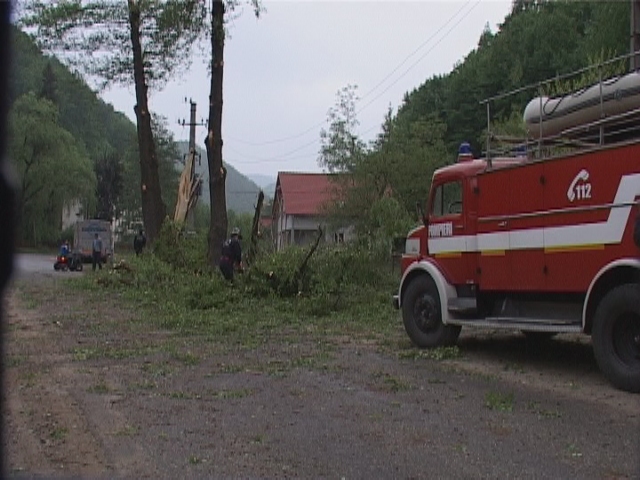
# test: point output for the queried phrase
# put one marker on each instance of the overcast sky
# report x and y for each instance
(282, 72)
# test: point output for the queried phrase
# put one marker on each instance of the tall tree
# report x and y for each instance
(130, 201)
(52, 169)
(340, 147)
(217, 171)
(117, 42)
(49, 84)
(109, 183)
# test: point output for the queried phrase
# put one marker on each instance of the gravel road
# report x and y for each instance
(92, 393)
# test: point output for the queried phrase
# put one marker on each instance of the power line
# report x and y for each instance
(281, 158)
(419, 59)
(279, 140)
(277, 158)
(319, 124)
(416, 51)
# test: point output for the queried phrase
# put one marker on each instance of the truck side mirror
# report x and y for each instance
(421, 214)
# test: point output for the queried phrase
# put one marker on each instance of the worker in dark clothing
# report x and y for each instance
(231, 255)
(139, 242)
(96, 252)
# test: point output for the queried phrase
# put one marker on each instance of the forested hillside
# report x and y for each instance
(96, 164)
(537, 41)
(70, 146)
(241, 192)
(91, 121)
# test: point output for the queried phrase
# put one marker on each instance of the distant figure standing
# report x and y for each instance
(139, 242)
(64, 249)
(231, 255)
(96, 252)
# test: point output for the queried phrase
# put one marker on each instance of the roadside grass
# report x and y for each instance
(231, 394)
(15, 360)
(438, 354)
(245, 314)
(168, 316)
(182, 395)
(99, 388)
(502, 402)
(113, 352)
(541, 412)
(29, 302)
(32, 297)
(127, 431)
(514, 367)
(59, 433)
(574, 451)
(186, 358)
(144, 385)
(29, 378)
(391, 383)
(157, 370)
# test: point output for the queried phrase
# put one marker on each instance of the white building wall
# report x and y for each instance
(71, 214)
(303, 228)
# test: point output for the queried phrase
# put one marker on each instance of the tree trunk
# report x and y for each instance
(255, 230)
(153, 208)
(217, 172)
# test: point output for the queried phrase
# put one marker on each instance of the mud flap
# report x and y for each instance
(636, 231)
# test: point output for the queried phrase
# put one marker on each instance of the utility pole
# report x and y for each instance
(192, 127)
(192, 151)
(634, 60)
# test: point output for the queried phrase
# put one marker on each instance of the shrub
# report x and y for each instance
(330, 272)
(181, 249)
(175, 276)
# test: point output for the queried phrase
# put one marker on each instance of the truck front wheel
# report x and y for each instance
(616, 337)
(422, 315)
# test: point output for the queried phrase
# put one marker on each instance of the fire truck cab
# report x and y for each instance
(544, 239)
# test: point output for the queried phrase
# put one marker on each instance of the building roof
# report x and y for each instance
(265, 222)
(305, 193)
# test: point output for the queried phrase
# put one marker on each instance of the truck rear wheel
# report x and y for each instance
(616, 337)
(422, 315)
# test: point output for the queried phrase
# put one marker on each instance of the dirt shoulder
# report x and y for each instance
(92, 391)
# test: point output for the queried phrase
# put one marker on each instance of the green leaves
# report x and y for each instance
(53, 172)
(341, 149)
(94, 37)
(110, 180)
(537, 41)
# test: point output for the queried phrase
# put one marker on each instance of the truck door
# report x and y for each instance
(526, 227)
(447, 233)
(494, 210)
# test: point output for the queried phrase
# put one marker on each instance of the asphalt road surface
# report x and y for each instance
(27, 264)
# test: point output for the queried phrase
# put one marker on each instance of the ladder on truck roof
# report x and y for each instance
(603, 113)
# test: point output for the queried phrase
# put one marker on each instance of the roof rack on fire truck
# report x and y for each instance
(567, 116)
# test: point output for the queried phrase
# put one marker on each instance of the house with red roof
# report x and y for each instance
(300, 205)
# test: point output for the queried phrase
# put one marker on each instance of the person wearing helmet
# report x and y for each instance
(231, 254)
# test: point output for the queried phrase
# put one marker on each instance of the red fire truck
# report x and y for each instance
(543, 240)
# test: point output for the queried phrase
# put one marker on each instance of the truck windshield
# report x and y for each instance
(447, 199)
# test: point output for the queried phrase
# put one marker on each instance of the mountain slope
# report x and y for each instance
(242, 193)
(266, 182)
(90, 120)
